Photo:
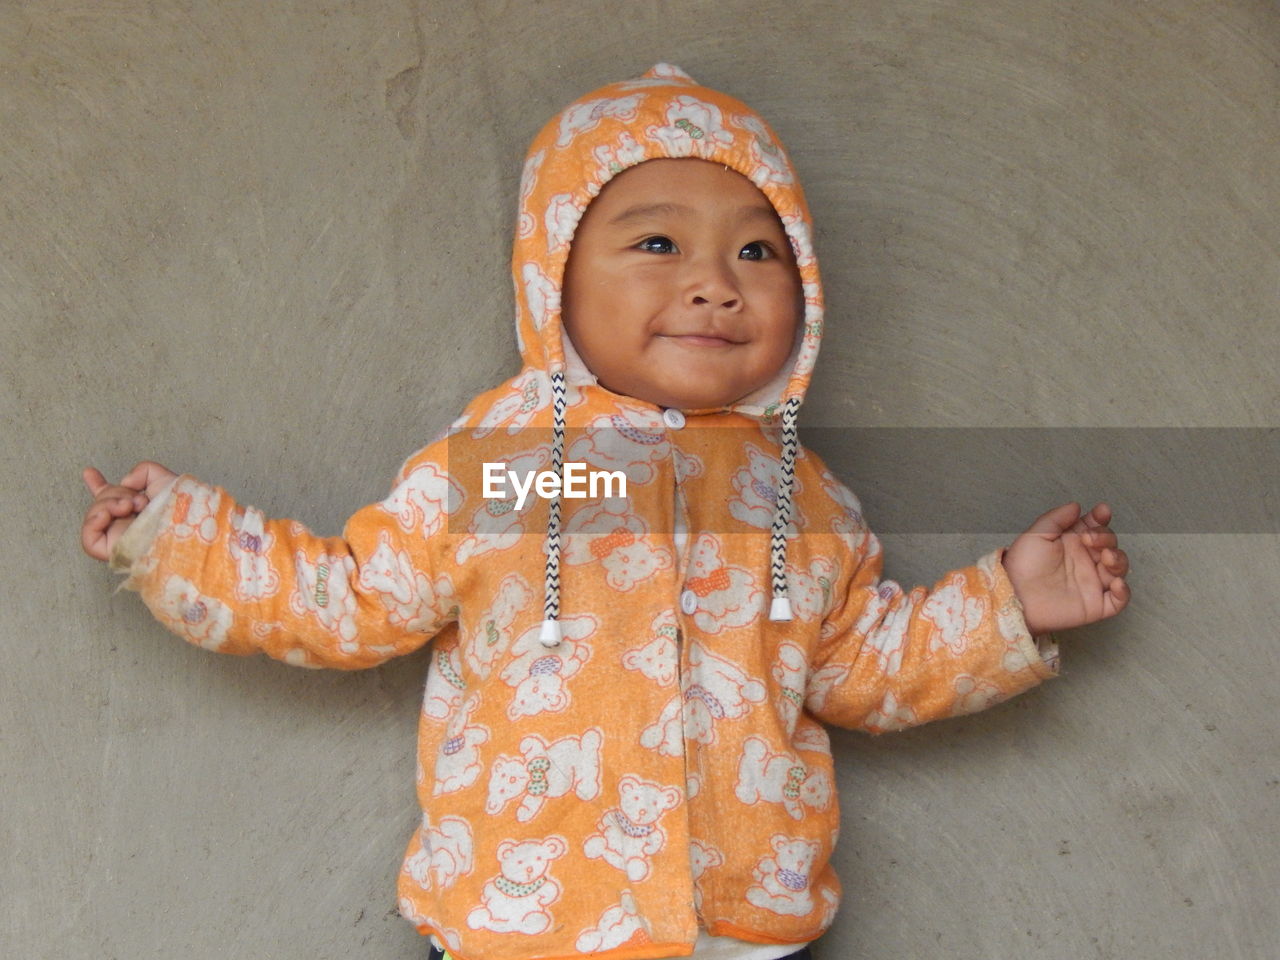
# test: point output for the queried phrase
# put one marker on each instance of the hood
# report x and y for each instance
(663, 114)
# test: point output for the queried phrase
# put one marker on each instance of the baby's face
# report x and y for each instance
(681, 288)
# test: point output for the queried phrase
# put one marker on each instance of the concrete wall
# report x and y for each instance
(267, 243)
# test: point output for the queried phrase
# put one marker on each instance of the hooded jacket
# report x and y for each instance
(621, 734)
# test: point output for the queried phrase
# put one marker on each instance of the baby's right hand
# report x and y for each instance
(115, 506)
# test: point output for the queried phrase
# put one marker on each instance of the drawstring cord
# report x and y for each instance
(780, 607)
(550, 634)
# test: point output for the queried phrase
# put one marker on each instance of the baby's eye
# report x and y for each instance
(756, 250)
(657, 245)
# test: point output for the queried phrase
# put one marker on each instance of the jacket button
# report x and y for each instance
(673, 418)
(689, 602)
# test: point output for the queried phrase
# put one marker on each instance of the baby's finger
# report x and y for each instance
(93, 541)
(1118, 563)
(93, 532)
(1100, 537)
(1117, 596)
(1099, 516)
(117, 492)
(119, 506)
(93, 479)
(147, 474)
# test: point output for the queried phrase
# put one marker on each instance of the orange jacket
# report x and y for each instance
(621, 733)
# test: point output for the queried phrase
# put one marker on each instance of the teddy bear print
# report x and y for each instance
(619, 924)
(540, 675)
(812, 735)
(780, 778)
(755, 487)
(656, 660)
(693, 128)
(424, 499)
(810, 590)
(189, 613)
(890, 715)
(727, 596)
(688, 465)
(442, 694)
(720, 692)
(529, 393)
(615, 538)
(702, 857)
(323, 589)
(583, 117)
(885, 625)
(492, 634)
(790, 670)
(823, 682)
(848, 522)
(716, 689)
(561, 220)
(782, 880)
(516, 899)
(771, 165)
(613, 159)
(974, 694)
(628, 834)
(955, 615)
(540, 290)
(545, 772)
(458, 762)
(496, 523)
(630, 440)
(411, 600)
(666, 733)
(249, 546)
(443, 855)
(528, 179)
(801, 239)
(195, 511)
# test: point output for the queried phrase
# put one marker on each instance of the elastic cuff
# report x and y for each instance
(1040, 652)
(146, 526)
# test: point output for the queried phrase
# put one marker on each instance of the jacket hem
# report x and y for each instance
(722, 928)
(649, 950)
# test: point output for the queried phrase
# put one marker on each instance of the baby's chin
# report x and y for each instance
(681, 400)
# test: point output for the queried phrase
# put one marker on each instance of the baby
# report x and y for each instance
(621, 747)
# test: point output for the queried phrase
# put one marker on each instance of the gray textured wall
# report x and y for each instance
(267, 243)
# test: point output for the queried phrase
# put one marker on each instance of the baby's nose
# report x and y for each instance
(728, 303)
(713, 285)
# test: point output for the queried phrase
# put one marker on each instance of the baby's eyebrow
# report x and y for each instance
(650, 211)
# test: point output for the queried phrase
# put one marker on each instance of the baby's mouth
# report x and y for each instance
(700, 339)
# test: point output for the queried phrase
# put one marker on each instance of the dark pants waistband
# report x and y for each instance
(801, 954)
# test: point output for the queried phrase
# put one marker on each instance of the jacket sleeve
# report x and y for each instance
(890, 658)
(227, 578)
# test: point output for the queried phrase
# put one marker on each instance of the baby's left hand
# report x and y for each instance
(1067, 570)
